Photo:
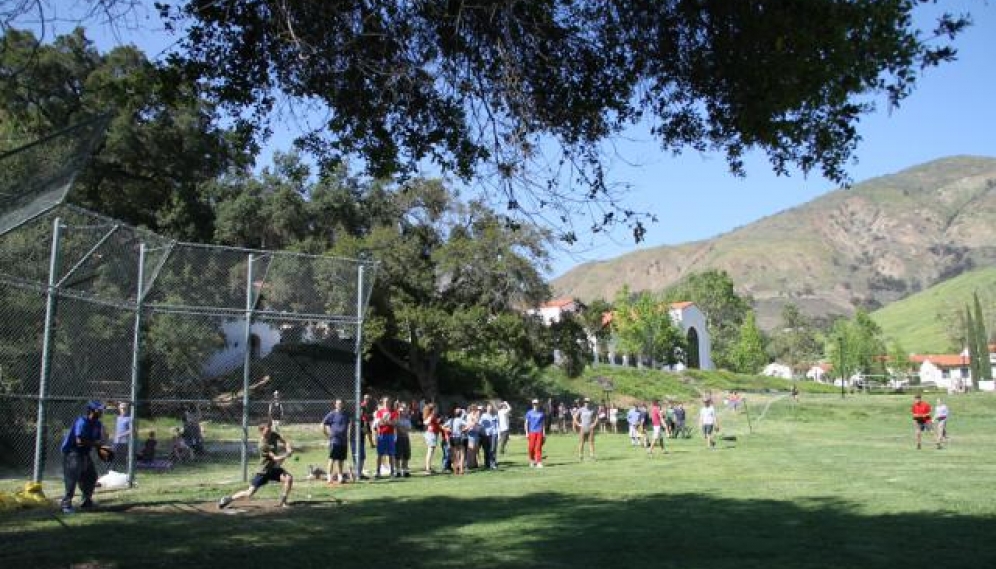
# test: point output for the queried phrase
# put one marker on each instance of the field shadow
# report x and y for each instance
(533, 530)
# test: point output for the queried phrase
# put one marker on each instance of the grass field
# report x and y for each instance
(828, 482)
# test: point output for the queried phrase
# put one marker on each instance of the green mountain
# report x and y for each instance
(877, 242)
(931, 321)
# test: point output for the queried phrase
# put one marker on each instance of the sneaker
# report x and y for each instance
(539, 465)
(87, 504)
(67, 510)
(224, 502)
(407, 474)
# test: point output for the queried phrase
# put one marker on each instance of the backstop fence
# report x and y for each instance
(191, 345)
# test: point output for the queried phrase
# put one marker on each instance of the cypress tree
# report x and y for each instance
(982, 342)
(972, 346)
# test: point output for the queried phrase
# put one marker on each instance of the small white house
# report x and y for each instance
(819, 372)
(777, 370)
(552, 311)
(950, 371)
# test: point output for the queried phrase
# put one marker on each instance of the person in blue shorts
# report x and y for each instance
(270, 467)
(337, 427)
(78, 469)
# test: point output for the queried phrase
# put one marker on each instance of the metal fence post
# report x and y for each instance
(246, 363)
(46, 358)
(358, 379)
(136, 355)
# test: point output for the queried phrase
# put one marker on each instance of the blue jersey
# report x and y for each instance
(338, 422)
(89, 430)
(534, 420)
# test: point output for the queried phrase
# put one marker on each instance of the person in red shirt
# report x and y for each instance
(921, 418)
(384, 423)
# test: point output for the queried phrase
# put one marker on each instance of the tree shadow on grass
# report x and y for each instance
(533, 530)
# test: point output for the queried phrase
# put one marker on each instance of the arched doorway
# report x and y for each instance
(692, 356)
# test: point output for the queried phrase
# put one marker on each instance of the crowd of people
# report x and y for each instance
(464, 437)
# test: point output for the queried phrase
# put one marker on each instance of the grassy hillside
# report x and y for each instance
(923, 323)
(867, 246)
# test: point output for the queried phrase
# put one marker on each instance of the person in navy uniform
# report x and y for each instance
(78, 469)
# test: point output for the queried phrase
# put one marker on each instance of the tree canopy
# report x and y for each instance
(486, 89)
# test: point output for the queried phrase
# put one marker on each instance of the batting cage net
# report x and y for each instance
(189, 347)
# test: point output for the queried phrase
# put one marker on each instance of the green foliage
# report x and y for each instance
(713, 292)
(569, 337)
(488, 84)
(163, 142)
(644, 328)
(797, 340)
(749, 355)
(854, 346)
(981, 341)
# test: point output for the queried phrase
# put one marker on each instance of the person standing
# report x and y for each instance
(585, 422)
(337, 426)
(122, 437)
(275, 411)
(78, 469)
(456, 429)
(403, 443)
(433, 433)
(504, 424)
(921, 418)
(534, 424)
(941, 423)
(384, 422)
(489, 437)
(614, 418)
(633, 420)
(709, 422)
(270, 467)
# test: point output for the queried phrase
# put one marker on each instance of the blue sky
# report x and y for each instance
(695, 197)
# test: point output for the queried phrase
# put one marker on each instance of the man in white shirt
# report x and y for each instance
(709, 423)
(504, 411)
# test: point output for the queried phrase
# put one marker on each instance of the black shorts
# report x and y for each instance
(337, 451)
(403, 448)
(272, 474)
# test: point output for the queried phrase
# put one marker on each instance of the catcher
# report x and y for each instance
(77, 463)
(270, 468)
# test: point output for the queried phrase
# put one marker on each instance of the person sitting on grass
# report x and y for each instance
(148, 452)
(270, 468)
(180, 451)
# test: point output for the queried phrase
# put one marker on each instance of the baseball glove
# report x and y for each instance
(105, 453)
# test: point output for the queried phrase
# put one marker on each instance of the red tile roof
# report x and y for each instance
(941, 360)
(681, 305)
(559, 302)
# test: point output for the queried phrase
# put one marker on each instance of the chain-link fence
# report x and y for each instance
(201, 342)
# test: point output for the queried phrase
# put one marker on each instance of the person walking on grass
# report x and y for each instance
(921, 418)
(337, 426)
(585, 422)
(534, 425)
(78, 469)
(941, 423)
(660, 428)
(270, 467)
(709, 422)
